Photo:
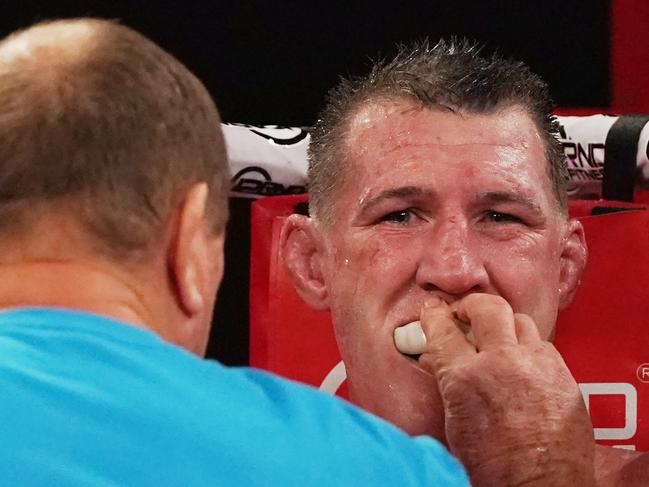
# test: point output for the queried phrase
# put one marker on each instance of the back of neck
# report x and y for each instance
(74, 285)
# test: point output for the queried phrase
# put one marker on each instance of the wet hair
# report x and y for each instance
(101, 124)
(454, 74)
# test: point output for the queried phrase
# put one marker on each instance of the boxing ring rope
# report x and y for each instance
(272, 161)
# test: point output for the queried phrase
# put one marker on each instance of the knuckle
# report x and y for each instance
(549, 349)
(497, 301)
(487, 300)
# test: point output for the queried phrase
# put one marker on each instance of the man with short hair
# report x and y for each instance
(113, 203)
(437, 194)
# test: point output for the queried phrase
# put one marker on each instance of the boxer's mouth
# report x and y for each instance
(410, 339)
(414, 357)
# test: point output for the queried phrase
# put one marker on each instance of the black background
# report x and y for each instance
(271, 62)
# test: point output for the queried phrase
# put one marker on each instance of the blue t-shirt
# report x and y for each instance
(89, 401)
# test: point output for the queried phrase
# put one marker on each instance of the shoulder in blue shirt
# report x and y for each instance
(88, 400)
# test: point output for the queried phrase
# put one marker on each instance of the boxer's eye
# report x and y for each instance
(400, 217)
(500, 217)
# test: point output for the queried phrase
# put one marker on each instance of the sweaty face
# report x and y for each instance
(434, 203)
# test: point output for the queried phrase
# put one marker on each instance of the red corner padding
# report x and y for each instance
(603, 335)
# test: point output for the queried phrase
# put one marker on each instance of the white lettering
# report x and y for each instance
(630, 408)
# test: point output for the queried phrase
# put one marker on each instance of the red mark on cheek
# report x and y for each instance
(373, 253)
(469, 172)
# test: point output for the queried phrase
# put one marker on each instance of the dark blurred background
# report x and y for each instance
(271, 62)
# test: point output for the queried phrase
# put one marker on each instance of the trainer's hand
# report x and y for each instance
(514, 414)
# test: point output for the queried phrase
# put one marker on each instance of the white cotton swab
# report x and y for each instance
(411, 340)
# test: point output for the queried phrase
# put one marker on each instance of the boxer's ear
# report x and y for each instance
(574, 255)
(191, 251)
(302, 260)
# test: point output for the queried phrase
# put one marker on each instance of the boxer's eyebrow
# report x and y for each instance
(494, 197)
(402, 192)
(487, 197)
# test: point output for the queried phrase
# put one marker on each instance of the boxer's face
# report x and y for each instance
(434, 202)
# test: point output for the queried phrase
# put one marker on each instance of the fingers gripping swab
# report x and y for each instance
(411, 340)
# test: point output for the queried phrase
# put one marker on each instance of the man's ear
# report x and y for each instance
(573, 262)
(194, 263)
(301, 257)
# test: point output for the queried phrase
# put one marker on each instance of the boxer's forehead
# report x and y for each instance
(391, 123)
(397, 144)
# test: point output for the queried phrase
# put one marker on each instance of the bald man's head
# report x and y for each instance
(100, 124)
(60, 42)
